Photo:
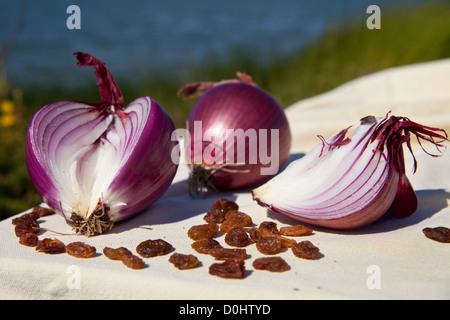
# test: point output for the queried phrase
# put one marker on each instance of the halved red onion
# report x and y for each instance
(348, 183)
(239, 135)
(98, 163)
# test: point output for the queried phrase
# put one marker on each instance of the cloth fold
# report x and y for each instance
(390, 259)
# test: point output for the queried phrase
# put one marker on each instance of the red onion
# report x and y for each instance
(98, 163)
(348, 183)
(239, 135)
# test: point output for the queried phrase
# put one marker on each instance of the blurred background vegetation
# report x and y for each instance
(344, 52)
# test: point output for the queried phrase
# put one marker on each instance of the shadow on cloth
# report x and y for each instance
(177, 205)
(430, 203)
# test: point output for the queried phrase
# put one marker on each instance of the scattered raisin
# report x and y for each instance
(27, 226)
(273, 264)
(42, 212)
(441, 234)
(237, 237)
(268, 229)
(51, 246)
(116, 254)
(219, 209)
(183, 261)
(254, 233)
(79, 249)
(153, 248)
(285, 242)
(234, 219)
(269, 245)
(29, 239)
(296, 231)
(226, 253)
(24, 218)
(230, 269)
(203, 231)
(305, 250)
(205, 245)
(132, 261)
(36, 213)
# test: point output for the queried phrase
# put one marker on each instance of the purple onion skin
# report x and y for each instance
(240, 106)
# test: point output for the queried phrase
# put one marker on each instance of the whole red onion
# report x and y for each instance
(239, 137)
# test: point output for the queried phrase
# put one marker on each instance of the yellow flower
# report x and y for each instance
(7, 117)
(7, 120)
(7, 107)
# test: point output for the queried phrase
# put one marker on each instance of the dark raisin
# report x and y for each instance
(296, 231)
(227, 253)
(268, 229)
(116, 254)
(235, 219)
(305, 250)
(132, 261)
(27, 226)
(230, 269)
(79, 249)
(269, 245)
(29, 239)
(51, 246)
(42, 212)
(203, 231)
(254, 233)
(205, 245)
(237, 237)
(24, 218)
(153, 248)
(183, 261)
(273, 264)
(441, 234)
(219, 209)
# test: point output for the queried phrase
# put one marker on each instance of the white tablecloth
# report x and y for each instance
(391, 259)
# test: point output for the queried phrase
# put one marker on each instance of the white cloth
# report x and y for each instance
(391, 259)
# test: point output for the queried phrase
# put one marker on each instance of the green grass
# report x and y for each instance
(344, 52)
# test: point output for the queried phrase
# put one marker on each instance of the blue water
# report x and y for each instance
(137, 38)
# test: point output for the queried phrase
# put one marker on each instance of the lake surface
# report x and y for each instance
(136, 38)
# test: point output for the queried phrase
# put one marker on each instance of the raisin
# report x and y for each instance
(116, 254)
(268, 229)
(269, 245)
(254, 233)
(79, 249)
(42, 212)
(273, 264)
(234, 219)
(205, 245)
(132, 261)
(27, 226)
(29, 239)
(296, 231)
(183, 261)
(219, 209)
(285, 242)
(305, 250)
(441, 234)
(24, 218)
(230, 269)
(203, 231)
(153, 248)
(237, 237)
(226, 253)
(51, 246)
